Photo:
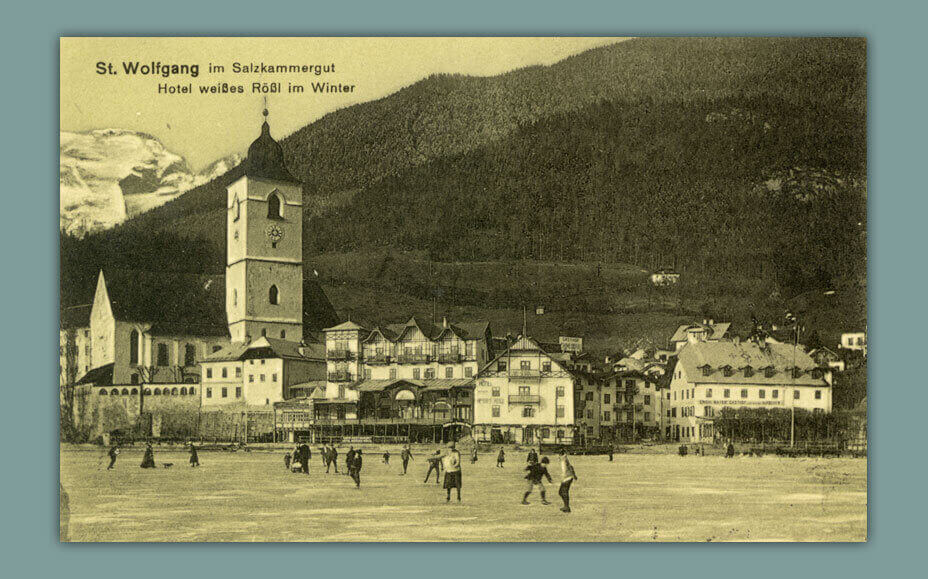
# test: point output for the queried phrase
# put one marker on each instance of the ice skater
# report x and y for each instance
(354, 468)
(434, 464)
(568, 476)
(500, 458)
(349, 460)
(473, 455)
(532, 456)
(194, 457)
(730, 451)
(114, 452)
(386, 457)
(148, 459)
(406, 456)
(537, 471)
(451, 462)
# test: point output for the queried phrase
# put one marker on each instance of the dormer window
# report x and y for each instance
(706, 369)
(275, 206)
(797, 372)
(817, 373)
(748, 371)
(769, 371)
(728, 371)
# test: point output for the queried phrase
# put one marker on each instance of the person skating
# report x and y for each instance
(473, 455)
(730, 451)
(305, 455)
(148, 459)
(611, 452)
(537, 471)
(349, 459)
(406, 456)
(451, 462)
(434, 464)
(568, 476)
(324, 454)
(532, 456)
(386, 457)
(288, 456)
(114, 452)
(333, 458)
(354, 468)
(295, 465)
(194, 457)
(500, 458)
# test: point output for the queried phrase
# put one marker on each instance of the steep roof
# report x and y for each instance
(173, 303)
(737, 355)
(426, 384)
(268, 348)
(465, 331)
(193, 304)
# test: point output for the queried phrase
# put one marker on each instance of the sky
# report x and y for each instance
(204, 128)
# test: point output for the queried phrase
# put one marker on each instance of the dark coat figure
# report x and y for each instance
(386, 457)
(434, 464)
(473, 456)
(148, 459)
(305, 455)
(354, 468)
(500, 458)
(331, 459)
(611, 453)
(194, 457)
(532, 456)
(287, 458)
(406, 456)
(114, 452)
(730, 451)
(349, 460)
(683, 450)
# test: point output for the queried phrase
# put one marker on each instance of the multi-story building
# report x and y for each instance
(854, 341)
(587, 407)
(710, 376)
(524, 395)
(630, 397)
(412, 380)
(74, 345)
(259, 373)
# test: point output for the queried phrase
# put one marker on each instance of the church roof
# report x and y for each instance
(99, 376)
(266, 158)
(173, 303)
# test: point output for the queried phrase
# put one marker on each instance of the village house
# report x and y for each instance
(710, 376)
(707, 331)
(856, 341)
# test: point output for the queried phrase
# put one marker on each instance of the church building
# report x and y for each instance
(163, 327)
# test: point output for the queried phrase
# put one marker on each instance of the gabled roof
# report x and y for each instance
(99, 376)
(349, 325)
(717, 355)
(465, 331)
(715, 331)
(173, 303)
(371, 385)
(268, 348)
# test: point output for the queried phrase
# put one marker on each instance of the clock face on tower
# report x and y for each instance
(274, 232)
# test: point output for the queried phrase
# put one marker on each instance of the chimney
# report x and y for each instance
(444, 322)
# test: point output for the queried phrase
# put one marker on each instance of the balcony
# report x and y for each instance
(413, 358)
(524, 374)
(339, 355)
(340, 377)
(524, 399)
(450, 358)
(378, 360)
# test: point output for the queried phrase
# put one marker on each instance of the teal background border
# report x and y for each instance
(897, 84)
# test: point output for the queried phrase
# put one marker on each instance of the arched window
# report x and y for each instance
(273, 295)
(173, 391)
(263, 332)
(114, 392)
(102, 391)
(190, 355)
(125, 392)
(234, 297)
(275, 206)
(236, 208)
(157, 391)
(192, 391)
(133, 347)
(183, 391)
(163, 355)
(135, 391)
(283, 334)
(148, 392)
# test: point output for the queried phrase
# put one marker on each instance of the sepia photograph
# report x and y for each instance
(463, 289)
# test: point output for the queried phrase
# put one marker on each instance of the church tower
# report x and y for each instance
(264, 240)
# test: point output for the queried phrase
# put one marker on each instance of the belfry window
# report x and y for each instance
(237, 210)
(273, 296)
(275, 208)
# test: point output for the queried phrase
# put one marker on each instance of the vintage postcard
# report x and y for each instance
(463, 289)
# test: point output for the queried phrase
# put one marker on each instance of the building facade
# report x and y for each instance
(710, 376)
(525, 396)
